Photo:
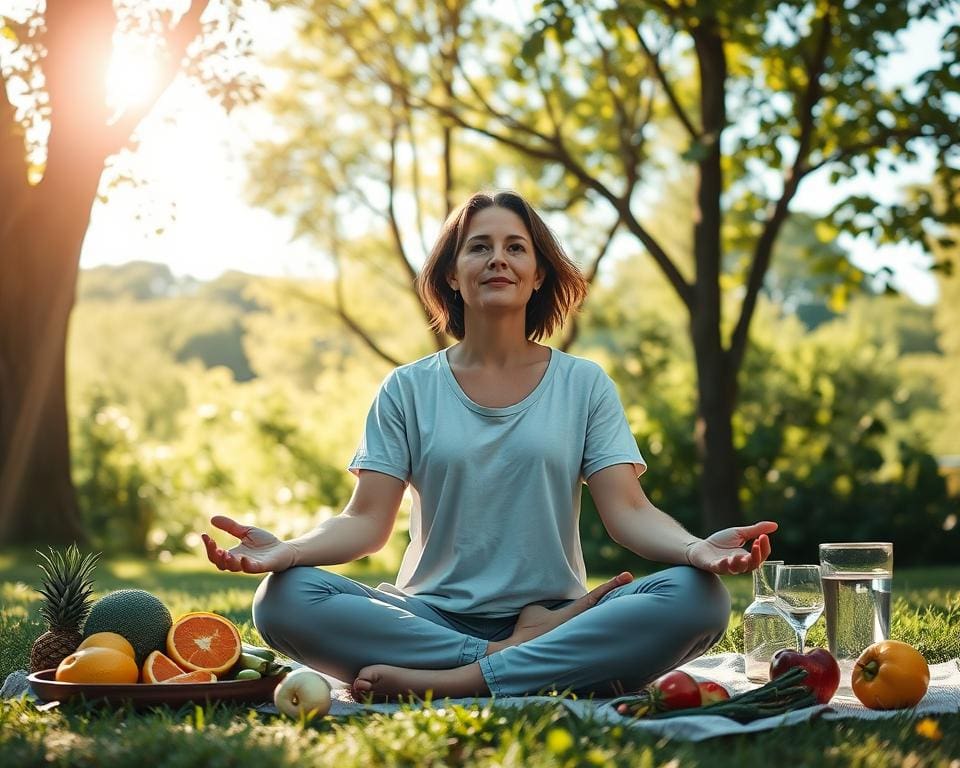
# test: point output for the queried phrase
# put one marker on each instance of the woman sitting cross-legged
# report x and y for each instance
(494, 436)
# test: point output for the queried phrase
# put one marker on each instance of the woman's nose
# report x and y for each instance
(497, 256)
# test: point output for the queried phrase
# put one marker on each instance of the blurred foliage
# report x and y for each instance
(824, 430)
(833, 431)
(945, 421)
(161, 442)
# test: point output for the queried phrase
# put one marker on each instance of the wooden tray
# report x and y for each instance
(141, 695)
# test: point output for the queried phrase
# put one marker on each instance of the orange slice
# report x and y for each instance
(159, 667)
(197, 676)
(204, 641)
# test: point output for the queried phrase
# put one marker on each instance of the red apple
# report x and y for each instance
(711, 692)
(823, 672)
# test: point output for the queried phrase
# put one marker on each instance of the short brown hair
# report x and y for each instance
(563, 287)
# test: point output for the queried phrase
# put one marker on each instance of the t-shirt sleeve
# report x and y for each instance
(608, 440)
(383, 446)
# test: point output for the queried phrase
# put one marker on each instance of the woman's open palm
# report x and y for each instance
(259, 551)
(722, 552)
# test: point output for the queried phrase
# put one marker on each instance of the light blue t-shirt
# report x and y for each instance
(496, 491)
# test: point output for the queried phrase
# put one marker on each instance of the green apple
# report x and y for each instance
(303, 692)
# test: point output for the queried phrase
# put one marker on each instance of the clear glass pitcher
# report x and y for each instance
(765, 631)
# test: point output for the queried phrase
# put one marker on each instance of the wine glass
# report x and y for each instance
(799, 597)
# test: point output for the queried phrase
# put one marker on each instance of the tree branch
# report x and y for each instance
(902, 135)
(415, 172)
(178, 39)
(625, 130)
(764, 248)
(439, 339)
(391, 204)
(621, 204)
(589, 275)
(347, 319)
(678, 109)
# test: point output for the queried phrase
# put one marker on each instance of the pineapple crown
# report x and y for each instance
(66, 587)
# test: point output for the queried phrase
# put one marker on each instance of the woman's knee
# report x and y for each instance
(280, 599)
(702, 596)
(708, 593)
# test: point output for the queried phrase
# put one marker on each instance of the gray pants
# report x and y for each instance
(634, 634)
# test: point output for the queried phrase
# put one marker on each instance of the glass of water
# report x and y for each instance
(799, 597)
(857, 579)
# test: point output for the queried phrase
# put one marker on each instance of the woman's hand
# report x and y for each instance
(722, 552)
(259, 551)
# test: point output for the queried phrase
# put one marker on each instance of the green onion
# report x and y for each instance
(783, 694)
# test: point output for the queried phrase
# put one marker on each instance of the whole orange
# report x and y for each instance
(108, 640)
(98, 665)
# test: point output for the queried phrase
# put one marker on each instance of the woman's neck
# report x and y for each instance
(494, 342)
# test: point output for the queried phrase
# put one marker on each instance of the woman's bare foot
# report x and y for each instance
(535, 620)
(381, 681)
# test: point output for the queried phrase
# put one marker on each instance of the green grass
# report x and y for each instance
(926, 614)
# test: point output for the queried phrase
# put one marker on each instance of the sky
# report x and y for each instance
(196, 169)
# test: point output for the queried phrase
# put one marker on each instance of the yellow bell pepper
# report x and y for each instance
(890, 675)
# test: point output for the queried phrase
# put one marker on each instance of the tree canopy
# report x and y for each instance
(590, 108)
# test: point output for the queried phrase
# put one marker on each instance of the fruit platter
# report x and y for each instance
(47, 688)
(126, 647)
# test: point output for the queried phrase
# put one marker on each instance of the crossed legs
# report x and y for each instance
(619, 637)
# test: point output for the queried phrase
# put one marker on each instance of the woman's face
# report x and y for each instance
(496, 266)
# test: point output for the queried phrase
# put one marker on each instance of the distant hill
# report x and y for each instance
(207, 317)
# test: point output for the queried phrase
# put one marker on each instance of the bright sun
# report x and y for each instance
(133, 75)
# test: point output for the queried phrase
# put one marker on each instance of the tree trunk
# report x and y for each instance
(720, 477)
(37, 499)
(43, 227)
(720, 474)
(41, 233)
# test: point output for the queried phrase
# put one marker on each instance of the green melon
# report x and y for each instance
(134, 613)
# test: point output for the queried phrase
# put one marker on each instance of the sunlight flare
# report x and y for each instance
(133, 75)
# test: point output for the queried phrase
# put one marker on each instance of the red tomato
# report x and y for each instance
(675, 690)
(711, 692)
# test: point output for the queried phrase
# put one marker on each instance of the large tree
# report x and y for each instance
(58, 130)
(602, 101)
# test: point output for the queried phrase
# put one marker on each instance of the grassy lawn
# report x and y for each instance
(926, 614)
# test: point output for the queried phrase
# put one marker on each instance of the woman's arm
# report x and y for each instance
(363, 528)
(636, 524)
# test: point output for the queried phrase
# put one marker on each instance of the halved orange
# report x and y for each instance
(197, 676)
(204, 641)
(159, 667)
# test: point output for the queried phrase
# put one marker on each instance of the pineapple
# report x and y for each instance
(66, 590)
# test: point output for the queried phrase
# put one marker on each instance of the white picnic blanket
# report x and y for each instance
(943, 696)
